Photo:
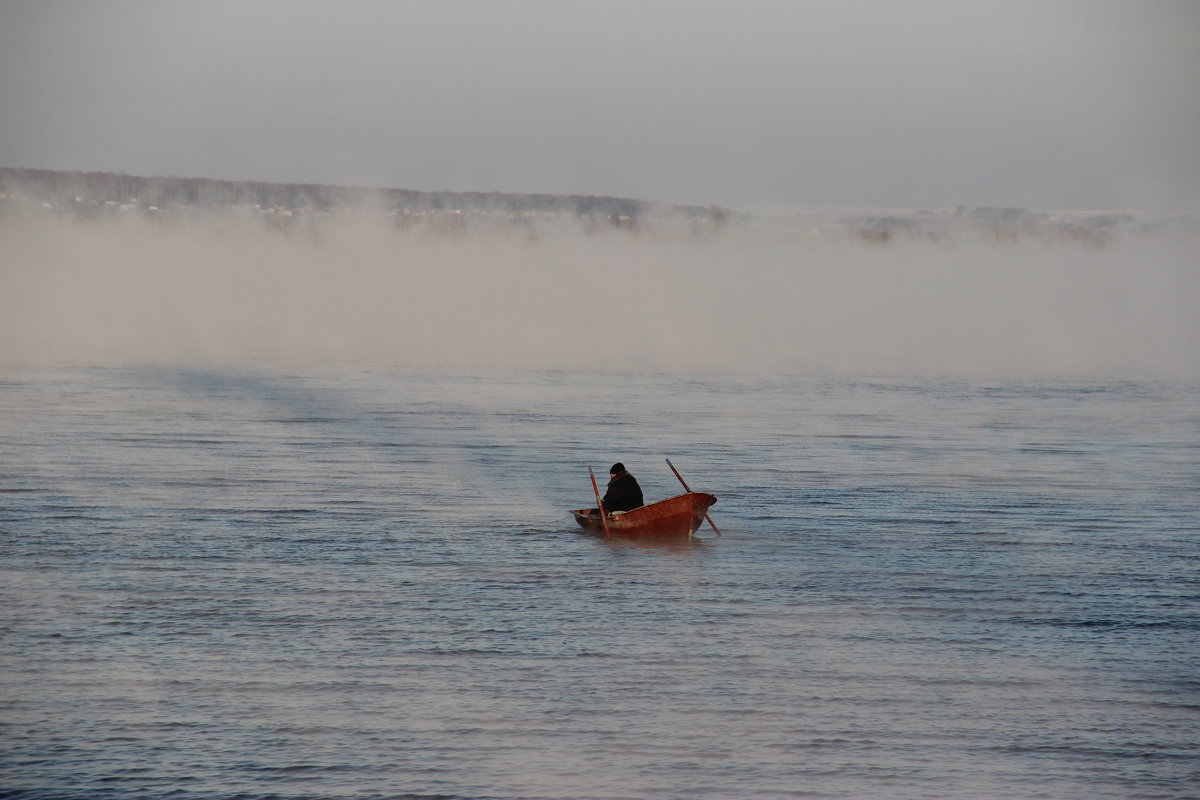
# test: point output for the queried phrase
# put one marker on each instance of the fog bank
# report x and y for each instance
(230, 287)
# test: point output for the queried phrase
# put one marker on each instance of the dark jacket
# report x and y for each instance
(623, 493)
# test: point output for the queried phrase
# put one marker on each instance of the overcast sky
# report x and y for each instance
(1049, 104)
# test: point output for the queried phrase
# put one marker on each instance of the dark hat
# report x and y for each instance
(617, 467)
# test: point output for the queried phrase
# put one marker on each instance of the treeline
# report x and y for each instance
(63, 189)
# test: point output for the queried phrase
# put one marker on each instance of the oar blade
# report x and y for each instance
(688, 490)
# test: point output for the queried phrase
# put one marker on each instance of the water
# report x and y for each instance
(358, 582)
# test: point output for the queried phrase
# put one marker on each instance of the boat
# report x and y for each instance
(675, 518)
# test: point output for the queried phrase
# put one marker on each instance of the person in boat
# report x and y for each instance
(624, 493)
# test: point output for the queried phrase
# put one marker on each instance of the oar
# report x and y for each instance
(599, 503)
(689, 491)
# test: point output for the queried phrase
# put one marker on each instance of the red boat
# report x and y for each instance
(676, 518)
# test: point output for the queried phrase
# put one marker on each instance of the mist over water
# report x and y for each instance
(228, 287)
(255, 547)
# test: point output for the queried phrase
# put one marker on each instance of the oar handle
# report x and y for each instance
(677, 475)
(689, 491)
(599, 502)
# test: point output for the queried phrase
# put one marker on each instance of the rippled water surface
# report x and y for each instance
(354, 583)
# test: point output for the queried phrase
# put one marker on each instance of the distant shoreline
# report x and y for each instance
(102, 194)
(169, 191)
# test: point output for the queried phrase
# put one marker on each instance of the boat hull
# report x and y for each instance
(676, 518)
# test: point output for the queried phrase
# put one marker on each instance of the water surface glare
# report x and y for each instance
(361, 582)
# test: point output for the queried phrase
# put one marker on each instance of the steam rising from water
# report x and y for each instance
(222, 288)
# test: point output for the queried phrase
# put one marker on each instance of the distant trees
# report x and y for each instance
(63, 187)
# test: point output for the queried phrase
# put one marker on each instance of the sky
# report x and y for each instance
(1046, 104)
